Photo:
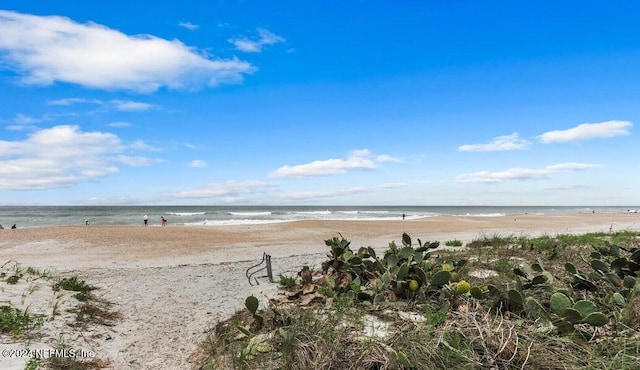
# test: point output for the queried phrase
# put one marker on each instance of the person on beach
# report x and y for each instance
(86, 222)
(14, 226)
(164, 221)
(1, 228)
(146, 220)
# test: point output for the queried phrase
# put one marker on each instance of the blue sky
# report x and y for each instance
(331, 102)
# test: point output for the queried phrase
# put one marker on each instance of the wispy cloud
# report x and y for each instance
(72, 101)
(523, 173)
(142, 146)
(587, 131)
(22, 119)
(131, 106)
(48, 49)
(357, 160)
(197, 163)
(115, 104)
(230, 190)
(22, 122)
(188, 25)
(498, 144)
(255, 45)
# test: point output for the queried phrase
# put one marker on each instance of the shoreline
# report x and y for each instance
(81, 247)
(220, 216)
(171, 284)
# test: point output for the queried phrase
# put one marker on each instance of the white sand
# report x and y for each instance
(172, 284)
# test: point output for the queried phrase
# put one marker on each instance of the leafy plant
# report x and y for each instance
(453, 243)
(13, 279)
(72, 284)
(40, 273)
(252, 305)
(15, 322)
(287, 282)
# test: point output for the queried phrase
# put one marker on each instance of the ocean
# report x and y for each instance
(39, 216)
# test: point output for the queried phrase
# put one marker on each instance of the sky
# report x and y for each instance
(319, 103)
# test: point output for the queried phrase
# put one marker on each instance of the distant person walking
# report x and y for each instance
(164, 221)
(86, 222)
(404, 216)
(146, 220)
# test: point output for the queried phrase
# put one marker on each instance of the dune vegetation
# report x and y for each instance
(40, 310)
(500, 302)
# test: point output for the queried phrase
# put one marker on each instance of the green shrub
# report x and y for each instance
(453, 243)
(554, 304)
(503, 265)
(13, 279)
(72, 284)
(287, 282)
(15, 322)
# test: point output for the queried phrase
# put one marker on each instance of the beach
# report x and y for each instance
(171, 284)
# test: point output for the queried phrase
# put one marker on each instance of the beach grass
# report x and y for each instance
(504, 302)
(73, 305)
(17, 323)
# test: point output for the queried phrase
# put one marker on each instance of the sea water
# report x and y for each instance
(39, 216)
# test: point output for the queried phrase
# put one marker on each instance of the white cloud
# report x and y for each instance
(196, 163)
(248, 45)
(357, 159)
(22, 119)
(49, 49)
(571, 166)
(188, 25)
(587, 131)
(522, 173)
(141, 145)
(119, 105)
(498, 144)
(61, 156)
(131, 106)
(230, 190)
(71, 101)
(22, 122)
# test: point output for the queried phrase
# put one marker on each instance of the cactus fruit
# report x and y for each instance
(463, 287)
(414, 285)
(447, 267)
